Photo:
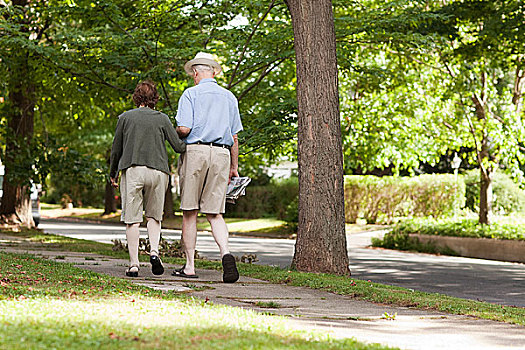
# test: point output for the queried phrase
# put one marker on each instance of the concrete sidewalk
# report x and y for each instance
(341, 316)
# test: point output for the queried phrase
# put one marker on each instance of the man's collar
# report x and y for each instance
(207, 80)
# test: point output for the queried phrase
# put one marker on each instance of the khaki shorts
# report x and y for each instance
(142, 187)
(203, 177)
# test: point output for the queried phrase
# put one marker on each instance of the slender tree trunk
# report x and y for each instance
(321, 239)
(485, 166)
(485, 187)
(169, 210)
(16, 202)
(485, 198)
(110, 203)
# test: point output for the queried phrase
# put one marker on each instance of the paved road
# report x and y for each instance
(477, 279)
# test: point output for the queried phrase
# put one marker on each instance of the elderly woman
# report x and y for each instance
(139, 153)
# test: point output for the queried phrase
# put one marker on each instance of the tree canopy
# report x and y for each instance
(417, 79)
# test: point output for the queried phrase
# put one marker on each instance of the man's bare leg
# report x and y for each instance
(219, 231)
(189, 237)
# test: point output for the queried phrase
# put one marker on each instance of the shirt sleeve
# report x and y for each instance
(116, 148)
(236, 122)
(185, 111)
(173, 138)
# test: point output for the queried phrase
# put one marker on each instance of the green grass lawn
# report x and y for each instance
(359, 289)
(264, 226)
(50, 305)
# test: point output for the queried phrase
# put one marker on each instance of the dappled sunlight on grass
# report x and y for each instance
(248, 225)
(148, 323)
(47, 305)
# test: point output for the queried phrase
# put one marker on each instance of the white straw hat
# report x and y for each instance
(203, 58)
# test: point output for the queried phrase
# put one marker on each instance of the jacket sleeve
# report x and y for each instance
(116, 148)
(173, 138)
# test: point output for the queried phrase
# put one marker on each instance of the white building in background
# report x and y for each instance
(283, 170)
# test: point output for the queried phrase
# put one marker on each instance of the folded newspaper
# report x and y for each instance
(236, 188)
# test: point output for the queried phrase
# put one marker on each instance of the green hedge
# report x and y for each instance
(263, 201)
(381, 199)
(399, 238)
(507, 197)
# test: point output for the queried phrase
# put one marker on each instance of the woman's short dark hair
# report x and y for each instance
(145, 94)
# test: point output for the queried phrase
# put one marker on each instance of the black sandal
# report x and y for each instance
(130, 273)
(180, 273)
(156, 265)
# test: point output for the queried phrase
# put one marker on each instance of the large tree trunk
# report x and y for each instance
(321, 239)
(16, 202)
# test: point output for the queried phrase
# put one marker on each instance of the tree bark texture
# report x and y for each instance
(16, 201)
(485, 186)
(110, 202)
(485, 198)
(321, 240)
(169, 210)
(485, 194)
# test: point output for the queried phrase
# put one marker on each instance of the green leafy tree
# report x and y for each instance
(86, 57)
(19, 26)
(485, 65)
(427, 78)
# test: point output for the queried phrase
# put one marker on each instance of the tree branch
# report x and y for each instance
(261, 77)
(471, 125)
(88, 78)
(268, 144)
(252, 70)
(40, 33)
(147, 56)
(416, 60)
(241, 56)
(518, 85)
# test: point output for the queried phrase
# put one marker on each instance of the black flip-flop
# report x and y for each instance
(180, 273)
(130, 273)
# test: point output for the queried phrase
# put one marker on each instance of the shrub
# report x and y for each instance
(507, 197)
(292, 215)
(459, 228)
(381, 199)
(399, 238)
(269, 200)
(436, 195)
(402, 241)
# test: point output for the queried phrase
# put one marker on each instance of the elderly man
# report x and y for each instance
(139, 152)
(208, 121)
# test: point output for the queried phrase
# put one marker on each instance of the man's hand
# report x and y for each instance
(234, 156)
(114, 182)
(233, 173)
(183, 131)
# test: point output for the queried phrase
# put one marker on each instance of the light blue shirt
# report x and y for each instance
(211, 112)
